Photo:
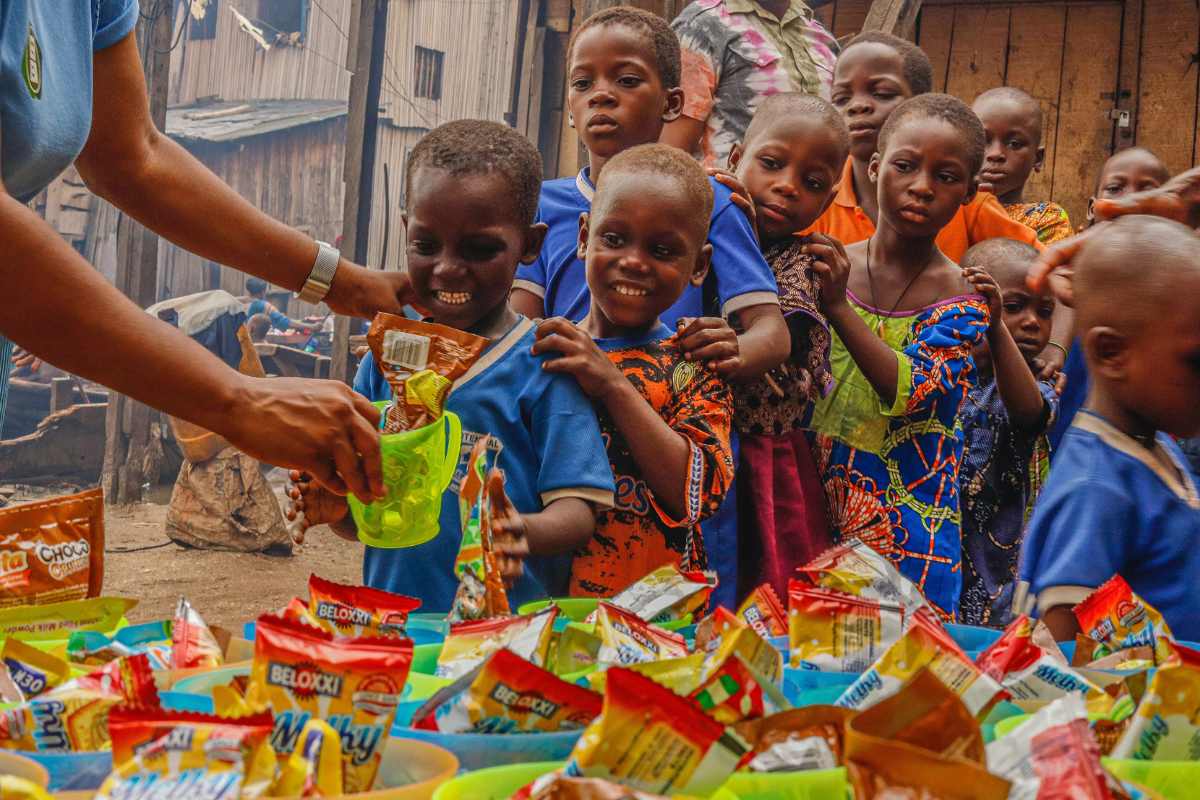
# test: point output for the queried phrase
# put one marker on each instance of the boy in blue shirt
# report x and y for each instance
(472, 189)
(1119, 498)
(623, 75)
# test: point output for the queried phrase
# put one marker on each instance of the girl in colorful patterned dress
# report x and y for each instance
(905, 320)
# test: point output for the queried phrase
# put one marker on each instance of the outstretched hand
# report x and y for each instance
(1053, 267)
(1177, 199)
(361, 292)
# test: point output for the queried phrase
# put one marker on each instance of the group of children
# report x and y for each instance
(843, 321)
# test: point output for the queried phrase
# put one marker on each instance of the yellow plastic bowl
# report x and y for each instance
(22, 767)
(499, 783)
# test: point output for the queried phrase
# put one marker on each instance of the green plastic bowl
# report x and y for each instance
(818, 784)
(425, 658)
(578, 609)
(1172, 779)
(499, 783)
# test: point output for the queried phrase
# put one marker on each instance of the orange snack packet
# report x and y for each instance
(798, 739)
(192, 641)
(420, 361)
(480, 593)
(921, 743)
(52, 550)
(358, 610)
(763, 612)
(1118, 619)
(625, 638)
(710, 629)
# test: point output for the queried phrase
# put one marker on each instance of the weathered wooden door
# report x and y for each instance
(1067, 55)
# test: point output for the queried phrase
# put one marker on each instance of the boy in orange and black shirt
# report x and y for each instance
(665, 420)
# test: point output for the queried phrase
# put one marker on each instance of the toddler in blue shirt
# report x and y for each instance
(1119, 498)
(472, 189)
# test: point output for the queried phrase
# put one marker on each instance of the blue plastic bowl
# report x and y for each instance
(74, 772)
(483, 750)
(780, 643)
(186, 701)
(798, 684)
(824, 696)
(971, 637)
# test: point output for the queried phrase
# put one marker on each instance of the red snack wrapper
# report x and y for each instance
(1118, 619)
(508, 694)
(352, 684)
(192, 642)
(763, 612)
(52, 550)
(358, 610)
(710, 629)
(1051, 755)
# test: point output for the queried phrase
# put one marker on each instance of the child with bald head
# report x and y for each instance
(1119, 499)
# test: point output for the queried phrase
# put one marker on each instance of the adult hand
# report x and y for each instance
(1177, 199)
(360, 292)
(1053, 267)
(321, 427)
(710, 340)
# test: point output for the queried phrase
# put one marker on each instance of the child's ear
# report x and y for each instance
(735, 157)
(703, 261)
(1091, 210)
(535, 237)
(581, 245)
(1109, 349)
(674, 105)
(972, 190)
(873, 168)
(1039, 160)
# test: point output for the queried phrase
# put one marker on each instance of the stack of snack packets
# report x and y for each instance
(470, 643)
(357, 610)
(1052, 754)
(480, 593)
(625, 639)
(739, 678)
(354, 685)
(52, 550)
(508, 694)
(925, 644)
(836, 632)
(666, 594)
(1116, 618)
(1166, 725)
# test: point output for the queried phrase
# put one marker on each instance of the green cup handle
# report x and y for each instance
(453, 447)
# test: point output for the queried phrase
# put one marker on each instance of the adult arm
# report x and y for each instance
(141, 171)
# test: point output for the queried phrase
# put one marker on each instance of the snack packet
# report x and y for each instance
(650, 739)
(52, 550)
(921, 743)
(480, 593)
(924, 644)
(1118, 619)
(470, 643)
(835, 632)
(711, 628)
(358, 610)
(625, 638)
(507, 694)
(193, 644)
(739, 680)
(798, 739)
(1051, 755)
(159, 753)
(680, 675)
(1166, 725)
(856, 568)
(763, 612)
(95, 648)
(353, 684)
(15, 788)
(577, 649)
(1026, 661)
(666, 594)
(560, 787)
(74, 716)
(31, 670)
(314, 769)
(420, 361)
(59, 620)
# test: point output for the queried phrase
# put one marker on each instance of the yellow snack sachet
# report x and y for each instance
(1166, 724)
(854, 567)
(159, 753)
(680, 675)
(32, 670)
(470, 643)
(577, 650)
(15, 788)
(60, 620)
(831, 631)
(666, 594)
(625, 638)
(739, 679)
(314, 769)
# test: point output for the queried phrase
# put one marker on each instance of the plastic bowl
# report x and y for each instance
(482, 750)
(410, 770)
(818, 784)
(1171, 779)
(73, 772)
(972, 637)
(205, 682)
(498, 783)
(822, 696)
(22, 766)
(799, 679)
(578, 609)
(425, 658)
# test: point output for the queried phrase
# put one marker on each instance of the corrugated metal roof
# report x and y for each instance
(229, 121)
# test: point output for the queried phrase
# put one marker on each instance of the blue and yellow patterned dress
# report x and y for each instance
(891, 473)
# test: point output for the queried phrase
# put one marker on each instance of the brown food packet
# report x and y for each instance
(564, 788)
(921, 743)
(403, 348)
(801, 738)
(52, 550)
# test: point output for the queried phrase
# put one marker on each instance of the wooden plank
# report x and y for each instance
(1170, 31)
(935, 34)
(1035, 52)
(1089, 71)
(850, 16)
(979, 52)
(898, 17)
(1129, 70)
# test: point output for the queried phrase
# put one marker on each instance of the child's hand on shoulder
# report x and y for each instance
(579, 356)
(984, 284)
(712, 342)
(509, 531)
(313, 504)
(832, 264)
(740, 197)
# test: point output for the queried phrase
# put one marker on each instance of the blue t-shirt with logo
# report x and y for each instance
(551, 448)
(739, 277)
(46, 93)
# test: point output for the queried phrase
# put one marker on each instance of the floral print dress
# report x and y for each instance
(891, 472)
